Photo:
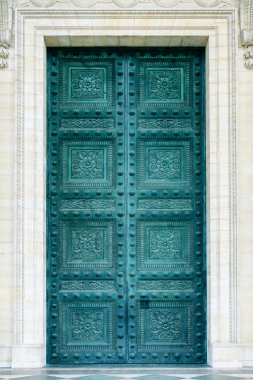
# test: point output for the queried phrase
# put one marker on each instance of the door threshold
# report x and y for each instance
(127, 366)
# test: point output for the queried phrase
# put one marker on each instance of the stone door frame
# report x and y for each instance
(37, 28)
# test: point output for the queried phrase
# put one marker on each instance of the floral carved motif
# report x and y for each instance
(164, 164)
(164, 84)
(88, 204)
(88, 245)
(164, 204)
(165, 285)
(87, 84)
(88, 326)
(87, 163)
(87, 123)
(166, 325)
(164, 124)
(83, 285)
(165, 244)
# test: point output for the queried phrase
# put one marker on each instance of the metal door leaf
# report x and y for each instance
(125, 206)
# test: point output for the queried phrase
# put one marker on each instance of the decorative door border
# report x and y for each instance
(211, 26)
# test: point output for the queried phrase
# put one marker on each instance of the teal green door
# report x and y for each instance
(125, 206)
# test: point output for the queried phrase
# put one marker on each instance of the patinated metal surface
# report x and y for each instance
(125, 206)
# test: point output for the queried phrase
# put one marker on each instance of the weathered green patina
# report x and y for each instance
(125, 206)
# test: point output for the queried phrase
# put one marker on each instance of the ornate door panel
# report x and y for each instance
(126, 279)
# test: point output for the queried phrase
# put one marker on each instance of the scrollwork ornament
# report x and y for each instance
(5, 31)
(4, 54)
(246, 22)
(248, 56)
(200, 3)
(216, 3)
(129, 3)
(81, 3)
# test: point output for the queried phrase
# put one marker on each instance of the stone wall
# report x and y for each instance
(7, 147)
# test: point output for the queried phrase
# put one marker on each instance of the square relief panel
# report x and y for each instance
(165, 83)
(87, 325)
(88, 244)
(87, 163)
(162, 324)
(164, 245)
(87, 83)
(164, 163)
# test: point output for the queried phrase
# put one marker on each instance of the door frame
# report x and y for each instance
(209, 27)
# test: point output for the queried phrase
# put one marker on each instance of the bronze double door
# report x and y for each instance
(125, 206)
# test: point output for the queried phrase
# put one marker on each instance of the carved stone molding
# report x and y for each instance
(200, 3)
(246, 21)
(130, 3)
(5, 31)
